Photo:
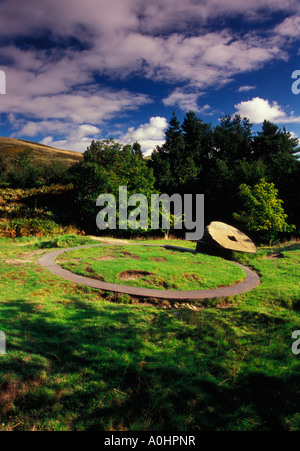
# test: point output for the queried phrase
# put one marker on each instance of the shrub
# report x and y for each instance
(21, 227)
(264, 212)
(66, 241)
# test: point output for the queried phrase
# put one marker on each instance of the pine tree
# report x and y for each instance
(198, 138)
(137, 149)
(233, 139)
(168, 160)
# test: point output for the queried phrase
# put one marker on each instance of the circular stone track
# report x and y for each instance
(249, 283)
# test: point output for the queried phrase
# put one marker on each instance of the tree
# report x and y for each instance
(55, 173)
(198, 138)
(263, 210)
(233, 139)
(277, 150)
(173, 163)
(272, 144)
(108, 165)
(137, 149)
(23, 174)
(3, 168)
(89, 180)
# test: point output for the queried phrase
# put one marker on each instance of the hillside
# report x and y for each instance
(42, 154)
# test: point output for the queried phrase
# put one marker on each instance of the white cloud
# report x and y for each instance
(295, 136)
(148, 135)
(122, 39)
(78, 139)
(290, 27)
(209, 59)
(54, 95)
(162, 14)
(110, 16)
(246, 88)
(257, 110)
(187, 101)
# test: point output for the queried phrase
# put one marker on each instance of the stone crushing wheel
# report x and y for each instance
(218, 235)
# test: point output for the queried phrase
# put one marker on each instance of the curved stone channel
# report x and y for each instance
(47, 261)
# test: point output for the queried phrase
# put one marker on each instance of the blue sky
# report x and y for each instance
(81, 70)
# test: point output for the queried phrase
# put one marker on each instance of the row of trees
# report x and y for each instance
(218, 161)
(247, 178)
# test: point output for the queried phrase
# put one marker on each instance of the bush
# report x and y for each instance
(66, 241)
(264, 212)
(21, 227)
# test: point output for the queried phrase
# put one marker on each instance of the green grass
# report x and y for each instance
(152, 267)
(79, 359)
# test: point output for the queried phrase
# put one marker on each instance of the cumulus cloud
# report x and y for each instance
(148, 135)
(54, 96)
(257, 110)
(111, 16)
(187, 101)
(169, 41)
(77, 140)
(126, 38)
(208, 59)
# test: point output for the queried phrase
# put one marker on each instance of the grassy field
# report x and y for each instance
(152, 267)
(80, 359)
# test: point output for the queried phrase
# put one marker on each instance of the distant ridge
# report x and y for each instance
(41, 154)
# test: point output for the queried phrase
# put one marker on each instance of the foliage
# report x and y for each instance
(264, 211)
(107, 166)
(25, 212)
(272, 144)
(197, 158)
(23, 174)
(232, 139)
(28, 227)
(63, 241)
(173, 162)
(2, 165)
(55, 173)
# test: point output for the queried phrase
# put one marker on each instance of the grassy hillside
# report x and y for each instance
(42, 154)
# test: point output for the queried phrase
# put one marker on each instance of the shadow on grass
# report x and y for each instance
(92, 367)
(288, 247)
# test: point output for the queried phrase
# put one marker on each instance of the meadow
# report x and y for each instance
(81, 359)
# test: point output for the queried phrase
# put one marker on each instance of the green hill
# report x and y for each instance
(41, 154)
